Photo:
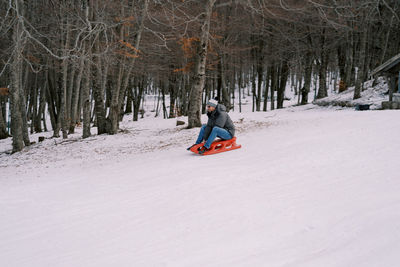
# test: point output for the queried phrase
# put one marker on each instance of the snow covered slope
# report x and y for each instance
(373, 94)
(309, 187)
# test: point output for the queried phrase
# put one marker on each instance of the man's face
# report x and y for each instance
(210, 108)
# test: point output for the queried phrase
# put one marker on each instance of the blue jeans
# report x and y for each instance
(216, 132)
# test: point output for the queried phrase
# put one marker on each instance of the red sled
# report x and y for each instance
(217, 146)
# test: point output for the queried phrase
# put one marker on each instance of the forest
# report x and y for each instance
(91, 62)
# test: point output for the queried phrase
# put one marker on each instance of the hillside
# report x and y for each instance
(309, 187)
(375, 91)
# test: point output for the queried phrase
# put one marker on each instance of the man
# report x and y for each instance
(219, 125)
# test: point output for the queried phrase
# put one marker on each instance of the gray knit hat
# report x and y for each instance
(212, 103)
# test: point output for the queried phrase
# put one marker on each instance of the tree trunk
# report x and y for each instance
(361, 63)
(42, 106)
(240, 81)
(25, 132)
(129, 99)
(3, 101)
(172, 84)
(16, 103)
(274, 80)
(86, 85)
(3, 127)
(232, 86)
(194, 119)
(185, 92)
(70, 91)
(53, 103)
(253, 89)
(98, 93)
(225, 100)
(266, 89)
(75, 97)
(33, 104)
(341, 52)
(164, 107)
(50, 102)
(322, 90)
(137, 98)
(259, 86)
(349, 60)
(282, 84)
(86, 102)
(158, 104)
(307, 79)
(260, 72)
(63, 113)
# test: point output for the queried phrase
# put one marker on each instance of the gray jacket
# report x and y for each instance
(219, 118)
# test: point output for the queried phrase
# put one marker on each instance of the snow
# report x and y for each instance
(310, 186)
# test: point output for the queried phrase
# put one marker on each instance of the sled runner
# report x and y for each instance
(217, 146)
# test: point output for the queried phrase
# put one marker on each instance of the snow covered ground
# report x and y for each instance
(310, 186)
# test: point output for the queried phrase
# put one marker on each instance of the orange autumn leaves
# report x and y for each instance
(128, 50)
(189, 46)
(189, 50)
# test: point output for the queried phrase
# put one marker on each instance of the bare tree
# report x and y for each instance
(16, 94)
(194, 119)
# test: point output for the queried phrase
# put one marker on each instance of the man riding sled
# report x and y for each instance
(219, 125)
